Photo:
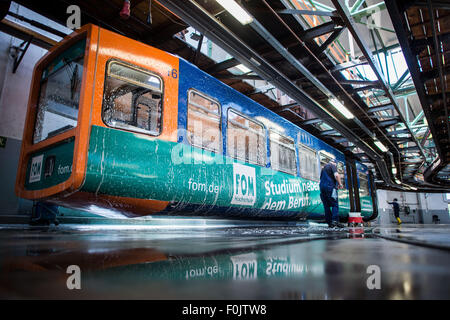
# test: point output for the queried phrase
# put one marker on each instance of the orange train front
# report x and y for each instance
(114, 125)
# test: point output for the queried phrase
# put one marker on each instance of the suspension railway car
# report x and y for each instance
(117, 126)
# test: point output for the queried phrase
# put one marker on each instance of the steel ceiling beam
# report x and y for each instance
(347, 65)
(196, 16)
(318, 31)
(224, 65)
(396, 12)
(331, 38)
(381, 108)
(351, 25)
(308, 12)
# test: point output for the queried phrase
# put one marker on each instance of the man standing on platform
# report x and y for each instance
(330, 181)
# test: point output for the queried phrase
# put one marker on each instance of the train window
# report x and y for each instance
(132, 99)
(363, 184)
(341, 171)
(203, 121)
(59, 95)
(246, 140)
(308, 163)
(282, 153)
(324, 158)
(340, 168)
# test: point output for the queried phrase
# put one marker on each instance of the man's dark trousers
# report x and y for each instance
(329, 202)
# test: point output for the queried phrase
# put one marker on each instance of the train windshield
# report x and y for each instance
(59, 95)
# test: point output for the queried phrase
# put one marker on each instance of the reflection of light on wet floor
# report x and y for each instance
(144, 227)
(240, 262)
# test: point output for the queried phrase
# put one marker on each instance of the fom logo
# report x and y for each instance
(244, 185)
(36, 168)
(245, 266)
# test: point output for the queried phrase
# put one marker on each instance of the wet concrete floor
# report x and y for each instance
(242, 262)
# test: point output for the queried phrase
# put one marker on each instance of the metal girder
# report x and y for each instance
(396, 132)
(197, 52)
(21, 53)
(311, 121)
(397, 16)
(288, 56)
(416, 119)
(318, 31)
(433, 73)
(340, 140)
(20, 32)
(238, 77)
(436, 3)
(308, 12)
(405, 139)
(369, 87)
(347, 65)
(298, 65)
(360, 82)
(224, 65)
(328, 132)
(438, 55)
(38, 24)
(425, 137)
(408, 149)
(350, 23)
(331, 38)
(418, 45)
(200, 19)
(388, 106)
(368, 11)
(388, 123)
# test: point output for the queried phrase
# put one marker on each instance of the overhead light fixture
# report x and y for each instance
(381, 146)
(243, 68)
(413, 188)
(341, 108)
(397, 181)
(236, 11)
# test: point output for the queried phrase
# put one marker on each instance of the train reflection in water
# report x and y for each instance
(234, 263)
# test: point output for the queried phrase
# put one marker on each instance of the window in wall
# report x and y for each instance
(246, 140)
(308, 163)
(203, 122)
(132, 99)
(282, 153)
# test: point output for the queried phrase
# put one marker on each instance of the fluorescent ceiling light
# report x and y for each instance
(236, 11)
(397, 181)
(381, 146)
(341, 108)
(243, 68)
